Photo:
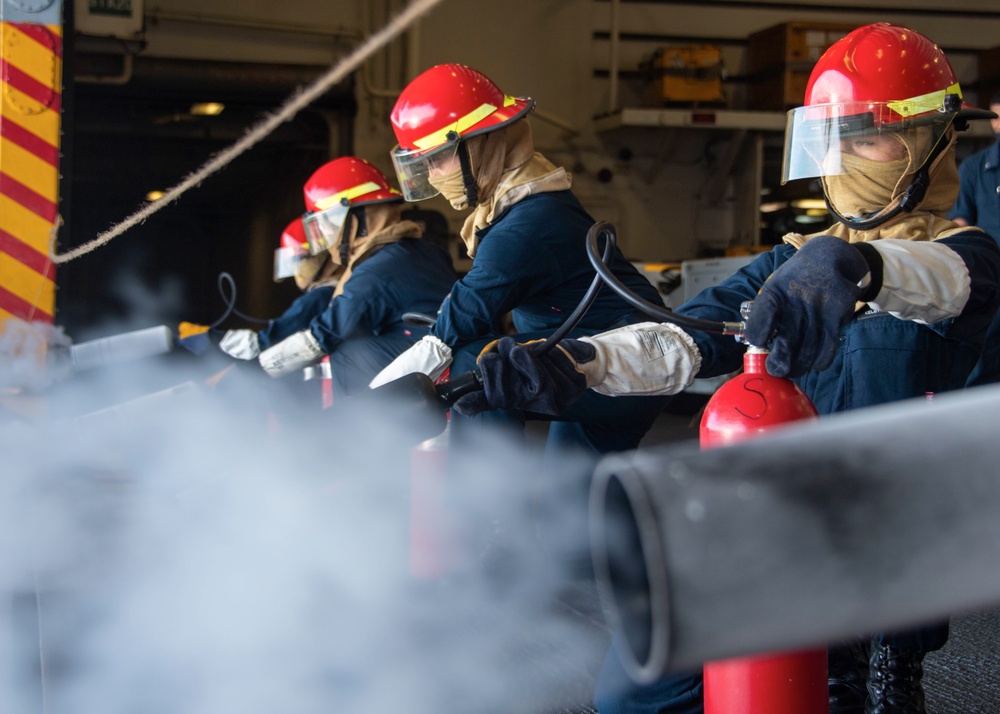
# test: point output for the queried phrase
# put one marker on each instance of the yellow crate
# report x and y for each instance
(685, 74)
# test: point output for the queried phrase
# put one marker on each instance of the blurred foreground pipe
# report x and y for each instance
(877, 519)
(125, 347)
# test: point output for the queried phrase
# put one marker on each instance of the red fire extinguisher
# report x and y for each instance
(750, 404)
(436, 544)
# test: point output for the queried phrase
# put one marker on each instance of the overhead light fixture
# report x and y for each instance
(207, 109)
(154, 196)
(773, 206)
(809, 203)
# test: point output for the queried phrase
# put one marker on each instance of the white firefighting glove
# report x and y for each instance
(241, 344)
(430, 356)
(293, 352)
(643, 359)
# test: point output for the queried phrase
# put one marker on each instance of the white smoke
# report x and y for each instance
(28, 355)
(174, 552)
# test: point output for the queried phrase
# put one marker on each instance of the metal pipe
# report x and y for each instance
(162, 73)
(850, 11)
(158, 15)
(873, 520)
(124, 347)
(367, 84)
(613, 63)
(555, 121)
(413, 65)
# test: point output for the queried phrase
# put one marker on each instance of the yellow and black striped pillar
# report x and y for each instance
(30, 84)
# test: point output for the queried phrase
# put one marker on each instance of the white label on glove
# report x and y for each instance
(654, 345)
(293, 352)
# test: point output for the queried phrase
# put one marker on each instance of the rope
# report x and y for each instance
(48, 261)
(255, 134)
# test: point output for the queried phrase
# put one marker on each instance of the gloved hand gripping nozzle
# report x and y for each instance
(451, 392)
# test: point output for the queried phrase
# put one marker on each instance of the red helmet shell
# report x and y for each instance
(880, 63)
(451, 98)
(294, 237)
(347, 179)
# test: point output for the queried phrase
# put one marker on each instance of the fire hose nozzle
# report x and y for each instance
(737, 329)
(449, 392)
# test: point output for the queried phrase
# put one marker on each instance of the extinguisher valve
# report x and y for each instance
(738, 329)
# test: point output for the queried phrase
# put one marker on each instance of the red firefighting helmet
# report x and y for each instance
(335, 188)
(291, 249)
(879, 78)
(444, 105)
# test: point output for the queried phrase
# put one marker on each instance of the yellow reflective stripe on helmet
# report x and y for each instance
(349, 193)
(471, 119)
(924, 103)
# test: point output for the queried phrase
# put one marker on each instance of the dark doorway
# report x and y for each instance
(125, 136)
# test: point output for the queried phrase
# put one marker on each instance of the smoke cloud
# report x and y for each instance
(169, 543)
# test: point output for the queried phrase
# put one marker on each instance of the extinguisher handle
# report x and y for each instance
(740, 328)
(449, 392)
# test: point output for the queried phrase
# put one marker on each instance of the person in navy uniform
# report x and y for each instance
(978, 202)
(462, 137)
(371, 268)
(892, 302)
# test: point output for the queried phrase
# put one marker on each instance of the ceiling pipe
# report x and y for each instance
(412, 57)
(242, 23)
(556, 122)
(250, 78)
(615, 31)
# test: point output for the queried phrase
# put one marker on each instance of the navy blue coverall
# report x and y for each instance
(532, 262)
(979, 190)
(362, 329)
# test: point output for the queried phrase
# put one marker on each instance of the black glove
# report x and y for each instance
(802, 307)
(516, 376)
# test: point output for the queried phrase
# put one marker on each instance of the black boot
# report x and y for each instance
(894, 685)
(848, 675)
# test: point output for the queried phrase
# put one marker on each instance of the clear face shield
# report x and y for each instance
(286, 262)
(324, 229)
(416, 168)
(836, 139)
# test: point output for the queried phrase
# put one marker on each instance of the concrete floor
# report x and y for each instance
(963, 677)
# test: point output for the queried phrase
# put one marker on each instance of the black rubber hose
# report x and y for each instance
(419, 319)
(659, 312)
(450, 391)
(588, 298)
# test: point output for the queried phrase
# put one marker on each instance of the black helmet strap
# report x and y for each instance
(360, 217)
(471, 190)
